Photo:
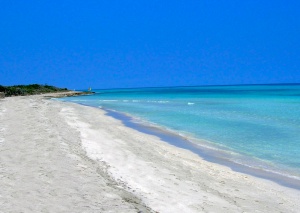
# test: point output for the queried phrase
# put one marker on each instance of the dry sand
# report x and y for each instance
(63, 157)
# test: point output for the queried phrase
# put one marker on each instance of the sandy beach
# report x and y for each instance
(63, 157)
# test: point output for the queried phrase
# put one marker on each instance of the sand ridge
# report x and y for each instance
(64, 157)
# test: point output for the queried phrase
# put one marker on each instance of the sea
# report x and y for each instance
(251, 128)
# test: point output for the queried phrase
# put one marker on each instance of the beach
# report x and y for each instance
(65, 157)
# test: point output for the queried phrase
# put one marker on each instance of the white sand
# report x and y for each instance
(63, 157)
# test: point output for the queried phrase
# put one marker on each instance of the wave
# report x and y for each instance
(161, 102)
(109, 100)
(132, 101)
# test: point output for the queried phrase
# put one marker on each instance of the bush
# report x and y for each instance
(29, 89)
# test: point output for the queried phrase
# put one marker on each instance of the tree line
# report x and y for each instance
(31, 89)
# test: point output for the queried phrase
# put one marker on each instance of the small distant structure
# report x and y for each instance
(2, 95)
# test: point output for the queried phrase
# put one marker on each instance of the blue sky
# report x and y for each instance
(119, 44)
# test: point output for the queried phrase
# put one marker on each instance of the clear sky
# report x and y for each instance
(118, 44)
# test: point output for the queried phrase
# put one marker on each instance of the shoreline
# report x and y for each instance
(258, 181)
(52, 94)
(66, 94)
(79, 159)
(207, 154)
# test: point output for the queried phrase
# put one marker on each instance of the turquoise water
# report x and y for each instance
(257, 126)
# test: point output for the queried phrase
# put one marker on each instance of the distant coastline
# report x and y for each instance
(37, 89)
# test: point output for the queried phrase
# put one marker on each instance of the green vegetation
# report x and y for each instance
(31, 89)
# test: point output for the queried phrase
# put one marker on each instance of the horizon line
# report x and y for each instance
(208, 85)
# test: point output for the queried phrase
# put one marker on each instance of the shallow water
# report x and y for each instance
(257, 126)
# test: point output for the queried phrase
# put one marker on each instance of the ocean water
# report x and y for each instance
(257, 126)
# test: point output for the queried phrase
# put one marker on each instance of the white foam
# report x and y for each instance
(161, 102)
(109, 100)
